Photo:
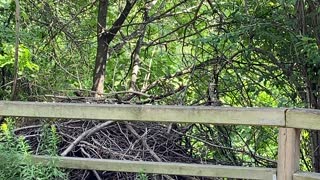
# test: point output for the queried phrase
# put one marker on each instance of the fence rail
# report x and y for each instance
(161, 167)
(306, 176)
(303, 118)
(179, 114)
(290, 122)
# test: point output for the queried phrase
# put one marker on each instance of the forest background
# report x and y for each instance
(242, 53)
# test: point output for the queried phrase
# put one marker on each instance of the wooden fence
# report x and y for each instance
(290, 121)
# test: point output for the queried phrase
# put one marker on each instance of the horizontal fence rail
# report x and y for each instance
(303, 118)
(160, 167)
(178, 114)
(306, 176)
(281, 117)
(287, 119)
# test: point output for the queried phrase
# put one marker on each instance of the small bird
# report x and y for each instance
(78, 93)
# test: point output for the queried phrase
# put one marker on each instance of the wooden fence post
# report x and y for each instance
(288, 153)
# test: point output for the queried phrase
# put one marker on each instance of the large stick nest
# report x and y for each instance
(136, 141)
(118, 140)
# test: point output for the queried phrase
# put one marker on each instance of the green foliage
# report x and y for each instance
(49, 140)
(306, 151)
(15, 156)
(25, 58)
(263, 60)
(142, 176)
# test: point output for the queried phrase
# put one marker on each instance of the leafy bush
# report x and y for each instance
(15, 155)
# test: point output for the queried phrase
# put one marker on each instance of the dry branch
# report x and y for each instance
(94, 171)
(85, 135)
(145, 144)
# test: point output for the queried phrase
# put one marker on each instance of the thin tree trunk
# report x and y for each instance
(102, 49)
(314, 86)
(136, 53)
(315, 137)
(16, 54)
(314, 134)
(104, 38)
(309, 27)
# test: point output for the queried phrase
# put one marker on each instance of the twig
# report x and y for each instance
(8, 83)
(115, 93)
(162, 96)
(26, 127)
(121, 155)
(82, 143)
(85, 135)
(31, 136)
(82, 98)
(145, 144)
(223, 147)
(94, 171)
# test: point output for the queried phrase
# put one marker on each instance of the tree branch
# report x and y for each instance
(118, 23)
(85, 135)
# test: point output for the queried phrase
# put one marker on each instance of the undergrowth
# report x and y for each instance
(15, 155)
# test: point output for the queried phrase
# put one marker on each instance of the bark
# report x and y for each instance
(102, 49)
(213, 93)
(311, 101)
(312, 85)
(16, 54)
(315, 137)
(104, 38)
(135, 58)
(309, 27)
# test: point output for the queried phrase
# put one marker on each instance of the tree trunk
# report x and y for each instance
(135, 57)
(307, 25)
(16, 53)
(315, 137)
(104, 38)
(311, 99)
(102, 50)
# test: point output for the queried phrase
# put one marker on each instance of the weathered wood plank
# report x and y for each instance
(180, 114)
(160, 168)
(288, 153)
(306, 176)
(303, 118)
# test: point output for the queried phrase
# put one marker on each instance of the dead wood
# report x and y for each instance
(85, 135)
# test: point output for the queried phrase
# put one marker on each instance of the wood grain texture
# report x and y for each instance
(288, 153)
(179, 114)
(306, 176)
(160, 167)
(303, 118)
